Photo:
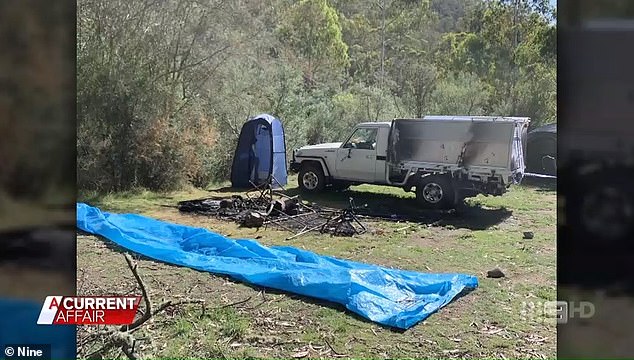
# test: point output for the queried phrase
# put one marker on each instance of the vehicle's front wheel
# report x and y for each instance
(435, 192)
(311, 178)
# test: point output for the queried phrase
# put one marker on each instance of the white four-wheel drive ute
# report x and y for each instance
(442, 158)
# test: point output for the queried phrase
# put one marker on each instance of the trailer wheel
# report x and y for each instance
(435, 192)
(311, 178)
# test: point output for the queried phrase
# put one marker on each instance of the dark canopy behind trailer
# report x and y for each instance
(260, 155)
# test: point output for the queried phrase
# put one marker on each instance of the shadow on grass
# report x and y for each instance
(393, 207)
(475, 217)
(226, 189)
(540, 184)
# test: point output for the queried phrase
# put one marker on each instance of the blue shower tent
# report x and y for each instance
(260, 155)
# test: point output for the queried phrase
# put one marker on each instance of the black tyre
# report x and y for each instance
(600, 211)
(435, 192)
(311, 178)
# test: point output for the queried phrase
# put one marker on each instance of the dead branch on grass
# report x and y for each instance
(148, 304)
(240, 302)
(122, 338)
(336, 354)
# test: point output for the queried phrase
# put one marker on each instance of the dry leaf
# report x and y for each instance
(492, 332)
(300, 354)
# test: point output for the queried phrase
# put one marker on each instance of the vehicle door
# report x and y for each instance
(356, 158)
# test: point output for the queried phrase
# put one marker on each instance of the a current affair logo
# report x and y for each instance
(89, 310)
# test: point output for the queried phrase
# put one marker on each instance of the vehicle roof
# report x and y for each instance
(377, 124)
(471, 118)
(449, 118)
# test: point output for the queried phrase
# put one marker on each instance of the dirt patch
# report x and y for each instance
(437, 237)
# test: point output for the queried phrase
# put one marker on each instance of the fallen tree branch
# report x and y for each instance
(337, 354)
(234, 303)
(122, 337)
(148, 305)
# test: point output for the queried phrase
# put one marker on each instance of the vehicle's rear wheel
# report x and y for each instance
(435, 192)
(311, 178)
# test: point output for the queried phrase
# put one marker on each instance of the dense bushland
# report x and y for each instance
(164, 86)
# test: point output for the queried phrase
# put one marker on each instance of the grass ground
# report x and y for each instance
(488, 322)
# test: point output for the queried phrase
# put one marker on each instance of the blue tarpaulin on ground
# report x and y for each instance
(391, 297)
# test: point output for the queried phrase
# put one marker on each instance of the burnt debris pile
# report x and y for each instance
(263, 207)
